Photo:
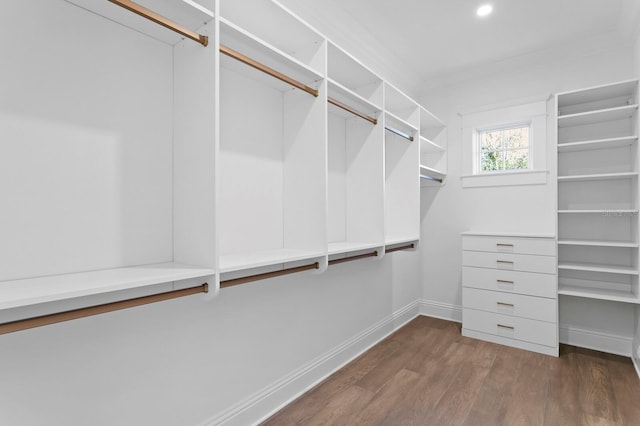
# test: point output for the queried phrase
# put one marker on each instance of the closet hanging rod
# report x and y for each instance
(352, 111)
(351, 258)
(264, 276)
(407, 247)
(399, 133)
(161, 20)
(431, 178)
(265, 69)
(39, 321)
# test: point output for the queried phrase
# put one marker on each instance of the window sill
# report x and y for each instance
(514, 178)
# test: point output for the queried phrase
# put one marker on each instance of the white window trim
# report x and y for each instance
(534, 113)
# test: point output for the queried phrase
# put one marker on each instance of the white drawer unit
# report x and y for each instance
(509, 293)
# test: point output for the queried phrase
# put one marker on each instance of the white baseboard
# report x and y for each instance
(619, 345)
(445, 311)
(636, 364)
(271, 399)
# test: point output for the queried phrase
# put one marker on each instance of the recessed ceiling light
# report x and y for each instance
(484, 10)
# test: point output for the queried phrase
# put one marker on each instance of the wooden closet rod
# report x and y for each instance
(349, 259)
(265, 69)
(352, 111)
(161, 20)
(264, 276)
(407, 247)
(399, 133)
(27, 323)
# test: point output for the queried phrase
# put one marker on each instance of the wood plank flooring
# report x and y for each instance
(428, 374)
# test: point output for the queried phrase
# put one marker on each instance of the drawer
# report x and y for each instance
(524, 329)
(542, 285)
(537, 246)
(510, 262)
(537, 308)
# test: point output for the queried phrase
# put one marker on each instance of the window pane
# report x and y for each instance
(491, 161)
(516, 138)
(518, 159)
(491, 141)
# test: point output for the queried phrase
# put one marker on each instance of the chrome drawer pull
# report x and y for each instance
(508, 327)
(504, 245)
(511, 305)
(504, 282)
(510, 262)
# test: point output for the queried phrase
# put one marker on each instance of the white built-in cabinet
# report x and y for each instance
(150, 159)
(598, 208)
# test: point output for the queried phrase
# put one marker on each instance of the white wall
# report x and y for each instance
(184, 361)
(451, 209)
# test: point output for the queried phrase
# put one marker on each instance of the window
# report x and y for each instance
(504, 148)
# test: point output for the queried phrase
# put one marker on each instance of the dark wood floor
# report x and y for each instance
(428, 374)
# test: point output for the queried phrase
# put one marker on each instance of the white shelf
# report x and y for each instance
(593, 94)
(505, 234)
(598, 293)
(595, 267)
(429, 173)
(259, 50)
(610, 212)
(344, 69)
(394, 241)
(430, 121)
(598, 116)
(242, 261)
(31, 291)
(352, 99)
(594, 243)
(342, 247)
(594, 144)
(429, 146)
(186, 13)
(599, 176)
(400, 124)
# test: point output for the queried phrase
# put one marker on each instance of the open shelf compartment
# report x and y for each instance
(352, 75)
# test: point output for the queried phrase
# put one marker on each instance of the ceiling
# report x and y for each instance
(439, 37)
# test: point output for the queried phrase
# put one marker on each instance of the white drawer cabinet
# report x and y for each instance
(510, 290)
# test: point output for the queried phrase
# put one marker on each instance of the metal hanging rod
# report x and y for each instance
(399, 133)
(349, 259)
(355, 112)
(265, 69)
(407, 247)
(430, 178)
(27, 323)
(161, 20)
(264, 276)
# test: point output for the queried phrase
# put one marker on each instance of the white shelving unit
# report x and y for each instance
(433, 149)
(271, 200)
(402, 167)
(115, 195)
(356, 156)
(230, 150)
(598, 202)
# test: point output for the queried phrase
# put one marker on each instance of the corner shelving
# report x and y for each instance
(433, 151)
(598, 205)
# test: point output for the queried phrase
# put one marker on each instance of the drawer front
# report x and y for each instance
(510, 262)
(541, 285)
(537, 308)
(524, 329)
(538, 246)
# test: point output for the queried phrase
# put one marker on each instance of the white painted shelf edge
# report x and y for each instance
(334, 85)
(598, 176)
(430, 146)
(257, 259)
(431, 173)
(394, 119)
(596, 267)
(342, 247)
(32, 291)
(595, 143)
(596, 116)
(506, 234)
(393, 241)
(599, 294)
(313, 74)
(596, 243)
(611, 212)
